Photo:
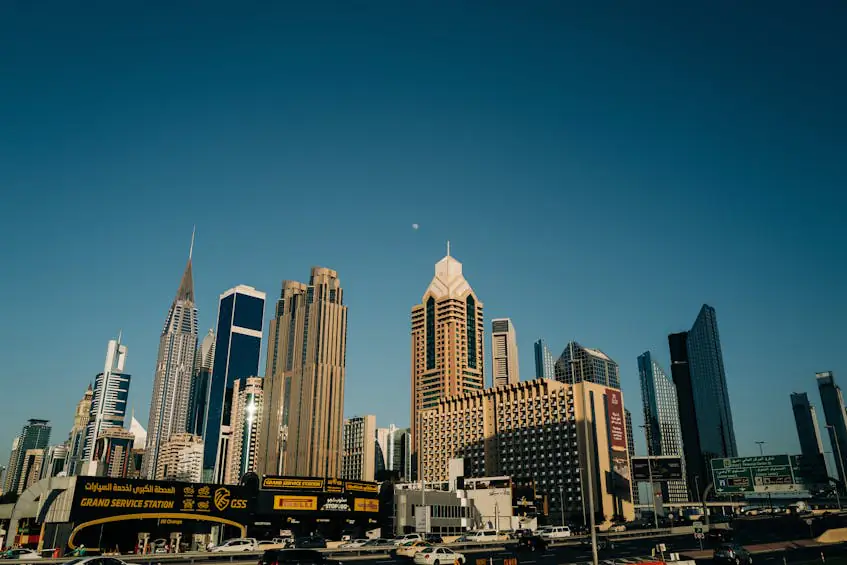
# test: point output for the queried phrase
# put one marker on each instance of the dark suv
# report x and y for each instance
(295, 557)
(531, 543)
(732, 553)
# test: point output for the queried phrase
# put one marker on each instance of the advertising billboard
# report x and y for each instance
(662, 467)
(617, 427)
(99, 497)
(318, 485)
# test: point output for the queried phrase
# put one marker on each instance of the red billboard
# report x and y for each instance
(617, 427)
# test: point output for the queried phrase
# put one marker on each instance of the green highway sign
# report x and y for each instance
(740, 475)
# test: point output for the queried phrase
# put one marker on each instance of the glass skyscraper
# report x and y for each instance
(544, 362)
(661, 416)
(578, 363)
(199, 393)
(833, 410)
(237, 345)
(109, 399)
(705, 416)
(35, 435)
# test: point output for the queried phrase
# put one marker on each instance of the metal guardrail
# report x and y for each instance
(357, 553)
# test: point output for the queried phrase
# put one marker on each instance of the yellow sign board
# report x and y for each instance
(284, 502)
(365, 505)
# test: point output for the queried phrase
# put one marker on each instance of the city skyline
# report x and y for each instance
(682, 136)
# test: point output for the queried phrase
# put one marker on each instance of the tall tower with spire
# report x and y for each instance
(447, 341)
(174, 369)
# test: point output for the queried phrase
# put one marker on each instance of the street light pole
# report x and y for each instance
(828, 479)
(650, 476)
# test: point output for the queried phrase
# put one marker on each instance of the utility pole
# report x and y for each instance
(650, 475)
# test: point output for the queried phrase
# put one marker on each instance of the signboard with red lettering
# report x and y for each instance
(617, 427)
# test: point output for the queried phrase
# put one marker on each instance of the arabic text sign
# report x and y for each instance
(738, 475)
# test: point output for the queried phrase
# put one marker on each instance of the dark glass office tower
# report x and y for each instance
(812, 464)
(807, 425)
(544, 361)
(199, 393)
(237, 345)
(34, 435)
(833, 411)
(704, 411)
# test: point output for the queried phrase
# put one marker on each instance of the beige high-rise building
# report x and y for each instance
(247, 415)
(358, 458)
(448, 345)
(30, 468)
(504, 353)
(537, 429)
(304, 388)
(181, 459)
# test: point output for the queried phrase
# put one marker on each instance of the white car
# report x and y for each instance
(353, 544)
(100, 560)
(408, 537)
(439, 556)
(21, 554)
(237, 545)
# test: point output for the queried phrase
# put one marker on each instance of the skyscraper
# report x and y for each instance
(9, 477)
(544, 362)
(630, 449)
(448, 341)
(199, 394)
(238, 343)
(833, 410)
(661, 415)
(504, 353)
(704, 410)
(110, 393)
(34, 437)
(359, 443)
(112, 453)
(55, 461)
(181, 459)
(174, 368)
(76, 440)
(247, 415)
(812, 462)
(30, 468)
(807, 425)
(578, 363)
(307, 351)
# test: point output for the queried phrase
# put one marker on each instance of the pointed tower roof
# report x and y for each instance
(186, 285)
(449, 282)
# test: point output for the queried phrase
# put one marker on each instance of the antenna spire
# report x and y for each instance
(191, 249)
(448, 247)
(120, 333)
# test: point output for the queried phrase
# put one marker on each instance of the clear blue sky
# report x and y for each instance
(601, 171)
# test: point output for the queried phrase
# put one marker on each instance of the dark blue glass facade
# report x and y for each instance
(236, 357)
(471, 328)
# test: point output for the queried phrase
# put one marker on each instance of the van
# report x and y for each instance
(483, 535)
(556, 532)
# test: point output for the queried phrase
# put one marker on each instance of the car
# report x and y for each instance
(406, 538)
(721, 535)
(295, 557)
(378, 542)
(434, 538)
(618, 528)
(353, 544)
(732, 553)
(313, 541)
(237, 545)
(483, 535)
(602, 544)
(410, 548)
(439, 556)
(21, 554)
(531, 543)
